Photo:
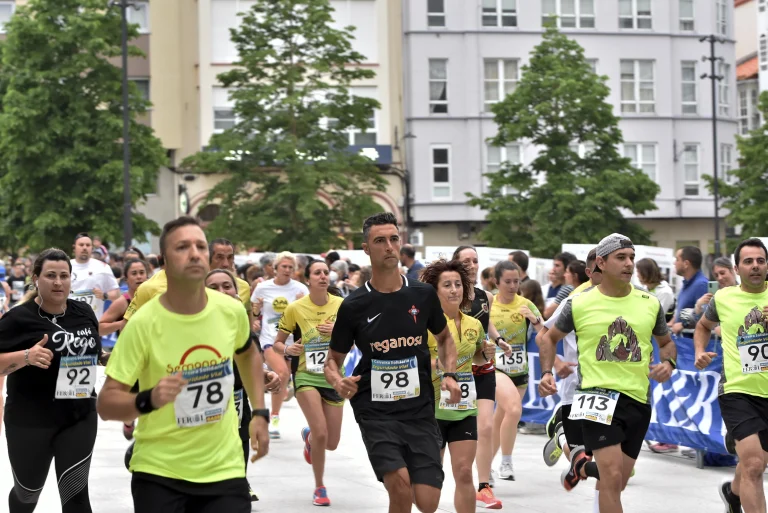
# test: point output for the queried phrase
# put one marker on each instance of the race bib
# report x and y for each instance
(205, 398)
(77, 377)
(315, 361)
(514, 363)
(468, 399)
(393, 380)
(594, 404)
(753, 350)
(239, 405)
(86, 296)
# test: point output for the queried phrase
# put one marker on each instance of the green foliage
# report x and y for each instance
(293, 74)
(61, 127)
(745, 196)
(561, 197)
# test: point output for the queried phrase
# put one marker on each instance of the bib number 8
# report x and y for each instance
(213, 392)
(464, 390)
(72, 376)
(602, 402)
(400, 379)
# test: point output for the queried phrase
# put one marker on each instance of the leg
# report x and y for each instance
(427, 497)
(508, 412)
(312, 406)
(752, 460)
(425, 469)
(484, 439)
(276, 362)
(610, 462)
(398, 486)
(462, 457)
(736, 483)
(73, 447)
(334, 414)
(30, 453)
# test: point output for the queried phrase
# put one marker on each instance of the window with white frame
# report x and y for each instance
(691, 169)
(436, 13)
(224, 16)
(723, 89)
(356, 136)
(142, 84)
(637, 86)
(726, 163)
(722, 17)
(635, 14)
(744, 110)
(6, 11)
(763, 52)
(581, 149)
(360, 14)
(138, 13)
(438, 86)
(568, 13)
(643, 157)
(441, 172)
(687, 23)
(754, 106)
(499, 13)
(689, 87)
(499, 79)
(223, 110)
(497, 156)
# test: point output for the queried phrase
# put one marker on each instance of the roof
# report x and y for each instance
(747, 69)
(740, 2)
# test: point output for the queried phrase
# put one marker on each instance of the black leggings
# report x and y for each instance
(30, 451)
(243, 429)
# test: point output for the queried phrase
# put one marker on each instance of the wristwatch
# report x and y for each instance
(499, 338)
(672, 363)
(450, 375)
(538, 321)
(263, 412)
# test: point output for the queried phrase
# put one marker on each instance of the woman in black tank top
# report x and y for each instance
(480, 308)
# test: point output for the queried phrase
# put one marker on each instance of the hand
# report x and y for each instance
(256, 326)
(506, 348)
(256, 306)
(489, 350)
(703, 300)
(526, 312)
(167, 389)
(259, 437)
(449, 384)
(718, 331)
(98, 293)
(347, 387)
(564, 369)
(661, 372)
(703, 359)
(547, 385)
(294, 349)
(272, 381)
(38, 355)
(677, 328)
(326, 328)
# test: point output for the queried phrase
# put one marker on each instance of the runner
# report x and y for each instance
(743, 395)
(135, 272)
(391, 388)
(512, 315)
(17, 280)
(92, 280)
(458, 422)
(485, 379)
(49, 344)
(614, 323)
(270, 299)
(222, 253)
(187, 455)
(313, 316)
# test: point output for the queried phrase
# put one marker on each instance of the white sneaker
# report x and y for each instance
(507, 471)
(274, 427)
(492, 479)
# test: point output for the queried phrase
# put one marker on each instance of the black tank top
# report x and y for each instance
(480, 308)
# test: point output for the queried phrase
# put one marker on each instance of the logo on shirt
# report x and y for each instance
(414, 312)
(754, 323)
(213, 358)
(470, 334)
(280, 304)
(393, 343)
(517, 317)
(74, 344)
(619, 345)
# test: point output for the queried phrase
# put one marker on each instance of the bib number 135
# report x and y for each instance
(393, 380)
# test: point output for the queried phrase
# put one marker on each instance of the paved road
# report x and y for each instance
(284, 481)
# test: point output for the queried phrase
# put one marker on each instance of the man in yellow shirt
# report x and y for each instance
(188, 452)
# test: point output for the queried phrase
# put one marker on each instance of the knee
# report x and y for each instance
(485, 430)
(399, 489)
(320, 438)
(428, 503)
(611, 478)
(752, 468)
(462, 472)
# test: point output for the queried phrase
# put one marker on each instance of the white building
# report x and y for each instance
(461, 56)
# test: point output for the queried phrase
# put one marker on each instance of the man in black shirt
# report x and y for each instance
(391, 388)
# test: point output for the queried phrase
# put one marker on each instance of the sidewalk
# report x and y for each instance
(284, 481)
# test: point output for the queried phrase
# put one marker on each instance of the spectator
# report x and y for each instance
(488, 280)
(331, 257)
(154, 263)
(341, 269)
(267, 263)
(17, 281)
(725, 276)
(301, 263)
(408, 260)
(353, 276)
(531, 290)
(649, 274)
(134, 252)
(521, 259)
(558, 289)
(365, 274)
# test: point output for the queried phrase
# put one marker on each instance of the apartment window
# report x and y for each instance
(441, 172)
(499, 13)
(754, 101)
(496, 156)
(763, 52)
(138, 13)
(643, 157)
(691, 169)
(723, 89)
(436, 13)
(722, 17)
(438, 86)
(499, 80)
(592, 65)
(726, 163)
(686, 16)
(142, 84)
(568, 13)
(688, 80)
(582, 149)
(6, 11)
(637, 87)
(223, 110)
(744, 110)
(635, 14)
(356, 136)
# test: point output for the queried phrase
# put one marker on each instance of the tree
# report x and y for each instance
(562, 197)
(289, 144)
(61, 127)
(744, 196)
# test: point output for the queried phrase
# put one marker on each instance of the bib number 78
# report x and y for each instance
(212, 390)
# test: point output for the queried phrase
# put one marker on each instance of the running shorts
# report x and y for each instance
(485, 385)
(458, 430)
(155, 494)
(572, 428)
(628, 428)
(328, 395)
(518, 381)
(745, 415)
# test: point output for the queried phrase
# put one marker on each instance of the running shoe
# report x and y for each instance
(254, 497)
(554, 420)
(485, 499)
(732, 501)
(492, 479)
(552, 449)
(570, 478)
(532, 429)
(128, 430)
(274, 427)
(289, 392)
(507, 471)
(307, 447)
(320, 497)
(662, 448)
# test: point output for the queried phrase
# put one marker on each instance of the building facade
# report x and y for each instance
(462, 56)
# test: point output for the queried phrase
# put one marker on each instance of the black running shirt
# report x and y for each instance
(480, 308)
(390, 326)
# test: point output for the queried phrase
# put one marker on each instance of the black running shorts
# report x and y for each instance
(458, 430)
(485, 384)
(572, 428)
(628, 428)
(413, 444)
(155, 494)
(745, 415)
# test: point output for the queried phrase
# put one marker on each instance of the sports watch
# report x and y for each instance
(450, 375)
(262, 412)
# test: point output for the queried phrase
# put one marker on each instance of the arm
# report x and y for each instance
(113, 294)
(252, 376)
(701, 336)
(109, 321)
(342, 340)
(447, 354)
(667, 349)
(37, 355)
(116, 402)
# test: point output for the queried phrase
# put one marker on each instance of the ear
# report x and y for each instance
(366, 249)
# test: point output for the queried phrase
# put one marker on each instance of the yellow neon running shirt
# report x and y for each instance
(513, 326)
